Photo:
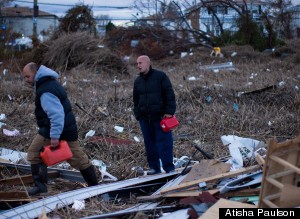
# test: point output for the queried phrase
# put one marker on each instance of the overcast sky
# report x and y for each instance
(115, 9)
(120, 9)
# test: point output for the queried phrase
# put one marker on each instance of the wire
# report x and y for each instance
(65, 5)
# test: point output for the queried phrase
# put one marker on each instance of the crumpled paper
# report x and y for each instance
(11, 133)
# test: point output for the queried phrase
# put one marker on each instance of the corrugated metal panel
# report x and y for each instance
(34, 209)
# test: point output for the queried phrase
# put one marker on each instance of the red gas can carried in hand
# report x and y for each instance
(168, 124)
(52, 156)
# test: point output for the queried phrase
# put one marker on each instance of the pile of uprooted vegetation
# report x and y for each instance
(79, 49)
(257, 97)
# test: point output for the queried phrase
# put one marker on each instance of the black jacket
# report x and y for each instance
(153, 96)
(49, 84)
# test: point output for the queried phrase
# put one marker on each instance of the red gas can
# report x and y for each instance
(168, 124)
(56, 155)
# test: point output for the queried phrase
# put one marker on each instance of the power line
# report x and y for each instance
(65, 5)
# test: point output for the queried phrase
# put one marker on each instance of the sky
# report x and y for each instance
(119, 11)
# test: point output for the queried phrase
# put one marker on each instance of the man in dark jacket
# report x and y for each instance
(154, 99)
(56, 122)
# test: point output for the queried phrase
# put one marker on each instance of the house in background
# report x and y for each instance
(202, 19)
(296, 20)
(21, 20)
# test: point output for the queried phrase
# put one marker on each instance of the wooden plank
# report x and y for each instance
(241, 192)
(269, 204)
(213, 211)
(188, 194)
(282, 145)
(267, 189)
(15, 196)
(281, 174)
(219, 176)
(176, 195)
(260, 160)
(274, 182)
(4, 160)
(206, 168)
(272, 196)
(285, 163)
(25, 179)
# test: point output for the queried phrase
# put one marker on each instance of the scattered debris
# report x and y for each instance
(228, 66)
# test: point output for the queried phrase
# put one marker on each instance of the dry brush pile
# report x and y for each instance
(259, 100)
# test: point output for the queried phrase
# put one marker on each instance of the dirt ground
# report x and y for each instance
(258, 98)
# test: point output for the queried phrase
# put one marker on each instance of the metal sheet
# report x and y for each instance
(34, 209)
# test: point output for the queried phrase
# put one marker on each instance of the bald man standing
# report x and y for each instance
(154, 99)
(56, 122)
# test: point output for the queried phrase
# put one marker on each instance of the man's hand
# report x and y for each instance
(168, 115)
(54, 142)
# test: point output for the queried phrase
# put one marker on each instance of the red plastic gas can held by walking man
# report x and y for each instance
(168, 124)
(53, 156)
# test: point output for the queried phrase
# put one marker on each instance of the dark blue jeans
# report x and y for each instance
(158, 145)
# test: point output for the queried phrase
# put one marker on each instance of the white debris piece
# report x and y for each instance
(136, 139)
(240, 148)
(183, 214)
(2, 116)
(78, 205)
(102, 168)
(7, 132)
(183, 54)
(281, 83)
(12, 155)
(192, 78)
(2, 124)
(90, 133)
(119, 128)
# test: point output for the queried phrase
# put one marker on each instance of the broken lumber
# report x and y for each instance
(219, 176)
(281, 174)
(26, 179)
(176, 195)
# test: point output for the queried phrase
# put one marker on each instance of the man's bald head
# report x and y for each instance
(143, 64)
(29, 72)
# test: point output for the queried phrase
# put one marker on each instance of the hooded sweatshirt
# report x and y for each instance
(53, 109)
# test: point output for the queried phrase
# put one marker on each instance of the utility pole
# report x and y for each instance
(34, 31)
(251, 9)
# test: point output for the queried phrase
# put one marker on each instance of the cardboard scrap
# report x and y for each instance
(210, 178)
(206, 168)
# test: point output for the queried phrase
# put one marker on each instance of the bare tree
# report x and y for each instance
(280, 17)
(169, 14)
(78, 18)
(102, 20)
(101, 23)
(214, 7)
(260, 31)
(147, 8)
(275, 16)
